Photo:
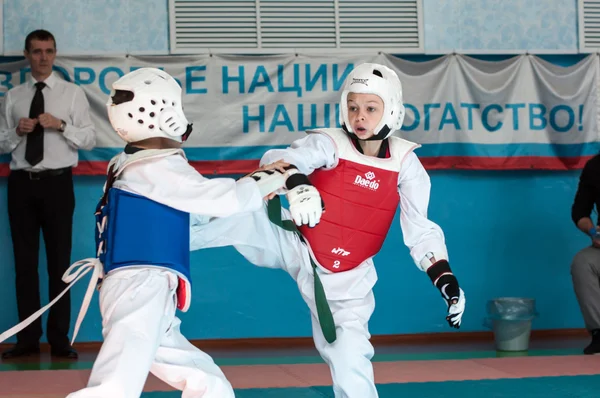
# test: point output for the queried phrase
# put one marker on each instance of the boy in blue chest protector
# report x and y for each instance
(143, 243)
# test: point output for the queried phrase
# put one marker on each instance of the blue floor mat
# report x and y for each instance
(534, 387)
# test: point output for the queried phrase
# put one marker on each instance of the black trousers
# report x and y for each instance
(45, 204)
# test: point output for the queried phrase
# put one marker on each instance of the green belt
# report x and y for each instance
(323, 310)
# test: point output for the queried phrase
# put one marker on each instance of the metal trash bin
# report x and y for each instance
(510, 319)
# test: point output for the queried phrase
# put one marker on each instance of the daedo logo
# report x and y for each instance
(368, 181)
(360, 81)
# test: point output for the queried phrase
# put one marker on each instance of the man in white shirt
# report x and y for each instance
(43, 124)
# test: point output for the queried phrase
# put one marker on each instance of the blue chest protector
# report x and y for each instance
(132, 230)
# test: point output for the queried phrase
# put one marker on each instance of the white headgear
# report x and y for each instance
(146, 103)
(379, 80)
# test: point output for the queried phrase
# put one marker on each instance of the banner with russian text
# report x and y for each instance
(520, 113)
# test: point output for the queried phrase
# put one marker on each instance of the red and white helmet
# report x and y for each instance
(383, 82)
(147, 103)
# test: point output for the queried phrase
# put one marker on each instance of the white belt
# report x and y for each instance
(75, 272)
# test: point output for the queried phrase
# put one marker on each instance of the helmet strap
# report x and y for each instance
(383, 149)
(376, 137)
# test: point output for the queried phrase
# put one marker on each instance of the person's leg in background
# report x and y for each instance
(585, 271)
(57, 228)
(24, 220)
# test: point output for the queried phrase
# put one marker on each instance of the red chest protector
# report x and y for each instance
(361, 198)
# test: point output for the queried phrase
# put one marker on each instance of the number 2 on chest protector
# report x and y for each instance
(336, 264)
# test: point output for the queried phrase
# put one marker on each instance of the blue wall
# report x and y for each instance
(494, 25)
(141, 26)
(90, 26)
(508, 233)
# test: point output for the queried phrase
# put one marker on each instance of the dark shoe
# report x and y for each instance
(64, 352)
(594, 346)
(21, 350)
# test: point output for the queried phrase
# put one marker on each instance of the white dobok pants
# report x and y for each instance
(349, 293)
(141, 335)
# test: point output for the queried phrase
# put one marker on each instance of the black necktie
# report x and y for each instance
(34, 152)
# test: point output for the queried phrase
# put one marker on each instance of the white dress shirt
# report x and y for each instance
(420, 234)
(63, 100)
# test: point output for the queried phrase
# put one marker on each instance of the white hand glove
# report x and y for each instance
(455, 311)
(305, 205)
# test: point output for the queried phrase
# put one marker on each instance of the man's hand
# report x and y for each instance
(594, 233)
(49, 122)
(26, 126)
(586, 225)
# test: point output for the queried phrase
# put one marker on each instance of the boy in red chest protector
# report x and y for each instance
(361, 174)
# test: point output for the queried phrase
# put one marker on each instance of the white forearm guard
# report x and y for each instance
(268, 181)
